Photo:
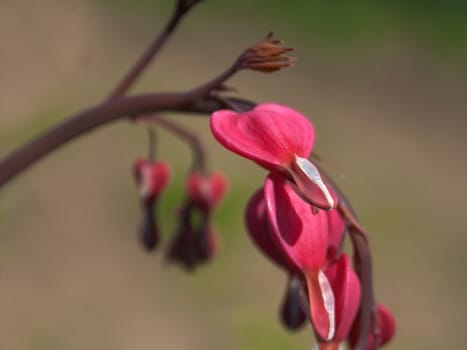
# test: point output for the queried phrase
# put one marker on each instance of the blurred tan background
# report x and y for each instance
(386, 88)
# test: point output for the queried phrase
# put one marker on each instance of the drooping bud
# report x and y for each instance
(206, 191)
(291, 312)
(196, 240)
(383, 328)
(152, 178)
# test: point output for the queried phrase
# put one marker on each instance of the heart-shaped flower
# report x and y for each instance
(280, 139)
(300, 232)
(152, 178)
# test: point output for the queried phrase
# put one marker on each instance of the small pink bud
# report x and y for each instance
(152, 177)
(206, 191)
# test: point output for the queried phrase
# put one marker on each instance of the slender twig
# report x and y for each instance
(152, 139)
(363, 263)
(181, 9)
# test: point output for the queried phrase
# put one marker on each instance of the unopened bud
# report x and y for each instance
(267, 56)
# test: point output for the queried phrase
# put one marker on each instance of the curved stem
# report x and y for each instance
(100, 115)
(363, 263)
(181, 9)
(152, 138)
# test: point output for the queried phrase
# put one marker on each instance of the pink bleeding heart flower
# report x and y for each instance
(336, 231)
(278, 138)
(291, 313)
(196, 240)
(300, 232)
(152, 178)
(385, 324)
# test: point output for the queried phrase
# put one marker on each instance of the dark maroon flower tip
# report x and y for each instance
(149, 234)
(207, 243)
(291, 312)
(182, 249)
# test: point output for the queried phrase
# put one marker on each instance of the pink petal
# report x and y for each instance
(298, 231)
(387, 324)
(271, 134)
(257, 228)
(347, 293)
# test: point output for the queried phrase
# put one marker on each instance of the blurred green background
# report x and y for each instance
(384, 83)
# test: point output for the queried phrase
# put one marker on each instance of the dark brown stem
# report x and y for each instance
(152, 138)
(363, 264)
(159, 41)
(182, 7)
(100, 115)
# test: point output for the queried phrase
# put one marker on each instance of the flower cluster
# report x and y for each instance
(196, 240)
(293, 219)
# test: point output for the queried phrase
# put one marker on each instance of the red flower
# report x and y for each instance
(280, 139)
(291, 313)
(385, 324)
(196, 241)
(152, 178)
(300, 232)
